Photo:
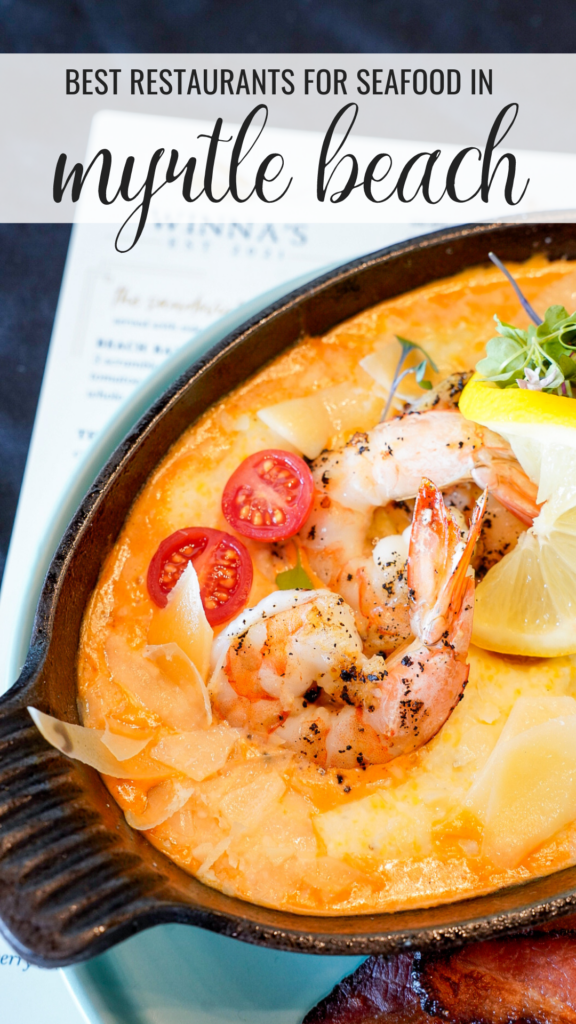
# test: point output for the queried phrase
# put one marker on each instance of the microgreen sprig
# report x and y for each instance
(541, 358)
(418, 371)
(522, 298)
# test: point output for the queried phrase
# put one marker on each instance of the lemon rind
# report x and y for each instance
(504, 408)
(555, 645)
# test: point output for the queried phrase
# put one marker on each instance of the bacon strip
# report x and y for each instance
(530, 979)
(379, 992)
(559, 924)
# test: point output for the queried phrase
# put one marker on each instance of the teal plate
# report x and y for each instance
(177, 974)
(173, 974)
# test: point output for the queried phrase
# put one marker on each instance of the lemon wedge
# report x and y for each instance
(541, 429)
(526, 604)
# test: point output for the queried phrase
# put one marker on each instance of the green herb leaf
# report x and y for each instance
(505, 356)
(547, 350)
(568, 367)
(509, 331)
(554, 317)
(408, 345)
(505, 348)
(539, 358)
(426, 385)
(554, 349)
(294, 579)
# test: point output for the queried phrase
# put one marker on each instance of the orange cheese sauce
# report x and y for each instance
(270, 827)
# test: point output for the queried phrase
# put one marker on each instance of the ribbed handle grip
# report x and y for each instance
(67, 871)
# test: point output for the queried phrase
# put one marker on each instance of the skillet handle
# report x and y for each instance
(70, 868)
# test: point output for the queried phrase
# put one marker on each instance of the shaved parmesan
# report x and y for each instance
(527, 789)
(175, 666)
(162, 802)
(303, 422)
(197, 754)
(183, 622)
(166, 682)
(87, 745)
(378, 825)
(382, 364)
(533, 792)
(204, 872)
(247, 805)
(323, 418)
(123, 747)
(526, 713)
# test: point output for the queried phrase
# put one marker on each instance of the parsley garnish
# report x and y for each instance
(296, 578)
(542, 358)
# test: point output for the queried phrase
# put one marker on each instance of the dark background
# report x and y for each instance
(292, 26)
(32, 256)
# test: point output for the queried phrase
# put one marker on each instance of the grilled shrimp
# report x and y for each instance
(293, 668)
(386, 465)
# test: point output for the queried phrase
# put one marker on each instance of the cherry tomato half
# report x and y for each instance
(270, 495)
(223, 565)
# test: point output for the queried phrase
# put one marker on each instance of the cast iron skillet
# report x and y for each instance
(74, 878)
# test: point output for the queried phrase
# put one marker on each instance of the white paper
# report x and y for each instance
(29, 995)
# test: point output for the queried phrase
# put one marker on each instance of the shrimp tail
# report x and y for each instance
(460, 580)
(438, 563)
(426, 677)
(511, 487)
